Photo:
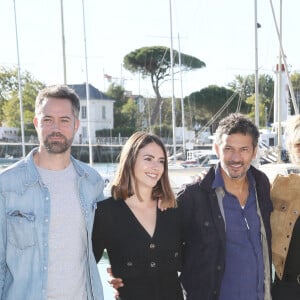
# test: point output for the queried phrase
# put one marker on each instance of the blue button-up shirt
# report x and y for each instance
(244, 272)
(24, 227)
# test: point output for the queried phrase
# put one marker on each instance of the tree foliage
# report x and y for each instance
(130, 111)
(156, 62)
(264, 105)
(116, 92)
(8, 84)
(9, 97)
(207, 102)
(295, 79)
(246, 87)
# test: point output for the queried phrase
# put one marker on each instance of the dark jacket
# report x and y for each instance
(204, 233)
(147, 264)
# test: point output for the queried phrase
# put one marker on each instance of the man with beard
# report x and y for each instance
(47, 204)
(226, 222)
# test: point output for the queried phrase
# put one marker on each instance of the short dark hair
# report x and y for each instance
(123, 187)
(58, 91)
(237, 123)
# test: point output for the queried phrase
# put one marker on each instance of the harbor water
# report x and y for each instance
(107, 289)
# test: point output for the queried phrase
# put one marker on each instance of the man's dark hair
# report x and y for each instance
(58, 92)
(237, 123)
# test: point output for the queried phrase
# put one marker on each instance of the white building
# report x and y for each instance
(9, 134)
(101, 113)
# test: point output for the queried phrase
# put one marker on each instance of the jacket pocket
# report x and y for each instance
(209, 233)
(20, 229)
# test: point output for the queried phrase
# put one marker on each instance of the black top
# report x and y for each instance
(288, 288)
(292, 264)
(148, 265)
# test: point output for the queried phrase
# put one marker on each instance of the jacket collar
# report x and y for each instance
(32, 174)
(206, 183)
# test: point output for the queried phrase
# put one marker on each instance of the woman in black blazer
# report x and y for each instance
(143, 243)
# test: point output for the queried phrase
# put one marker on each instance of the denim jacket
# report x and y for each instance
(24, 227)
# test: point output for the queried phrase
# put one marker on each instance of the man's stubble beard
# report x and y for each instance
(57, 147)
(243, 173)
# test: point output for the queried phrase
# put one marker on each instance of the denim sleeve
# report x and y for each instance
(2, 245)
(100, 189)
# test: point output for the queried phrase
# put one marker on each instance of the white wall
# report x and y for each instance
(96, 119)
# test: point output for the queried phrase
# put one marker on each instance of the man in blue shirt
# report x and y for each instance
(226, 220)
(47, 205)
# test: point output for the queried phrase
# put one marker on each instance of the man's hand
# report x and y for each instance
(200, 176)
(115, 283)
(163, 205)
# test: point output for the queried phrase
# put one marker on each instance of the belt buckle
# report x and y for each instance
(298, 278)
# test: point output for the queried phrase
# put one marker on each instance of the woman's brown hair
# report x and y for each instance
(123, 185)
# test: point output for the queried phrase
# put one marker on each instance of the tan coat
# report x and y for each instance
(285, 195)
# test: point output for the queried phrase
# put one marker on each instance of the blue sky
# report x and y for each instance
(219, 32)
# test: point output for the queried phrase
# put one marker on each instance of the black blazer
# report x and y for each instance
(148, 265)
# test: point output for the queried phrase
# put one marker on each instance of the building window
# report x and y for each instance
(84, 132)
(83, 112)
(103, 112)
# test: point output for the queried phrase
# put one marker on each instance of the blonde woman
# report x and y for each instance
(285, 222)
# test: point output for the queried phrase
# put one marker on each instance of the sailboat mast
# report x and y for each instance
(281, 68)
(87, 90)
(19, 84)
(285, 63)
(182, 101)
(279, 87)
(256, 68)
(172, 81)
(63, 40)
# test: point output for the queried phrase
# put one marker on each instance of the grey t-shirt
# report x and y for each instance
(67, 243)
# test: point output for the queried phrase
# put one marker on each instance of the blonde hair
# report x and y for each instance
(292, 136)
